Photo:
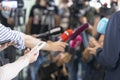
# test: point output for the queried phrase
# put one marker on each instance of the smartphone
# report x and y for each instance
(39, 46)
(3, 42)
(11, 4)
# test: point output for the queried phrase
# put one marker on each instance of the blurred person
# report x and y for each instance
(108, 56)
(5, 17)
(55, 69)
(35, 25)
(64, 13)
(96, 70)
(114, 5)
(8, 21)
(39, 22)
(10, 70)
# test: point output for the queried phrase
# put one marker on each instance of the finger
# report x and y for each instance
(60, 49)
(27, 51)
(5, 45)
(10, 43)
(63, 44)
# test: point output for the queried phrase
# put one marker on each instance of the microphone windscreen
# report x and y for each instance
(76, 42)
(66, 35)
(79, 31)
(56, 30)
(102, 24)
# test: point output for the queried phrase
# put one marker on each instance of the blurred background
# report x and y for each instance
(35, 17)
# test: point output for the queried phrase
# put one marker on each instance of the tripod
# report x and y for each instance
(48, 19)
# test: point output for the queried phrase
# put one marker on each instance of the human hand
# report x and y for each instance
(93, 50)
(93, 42)
(85, 55)
(55, 46)
(63, 58)
(4, 46)
(32, 56)
(34, 35)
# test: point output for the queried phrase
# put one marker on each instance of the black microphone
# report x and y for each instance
(53, 31)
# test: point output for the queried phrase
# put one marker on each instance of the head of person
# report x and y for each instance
(64, 1)
(42, 2)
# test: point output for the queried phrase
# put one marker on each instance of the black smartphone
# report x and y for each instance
(3, 42)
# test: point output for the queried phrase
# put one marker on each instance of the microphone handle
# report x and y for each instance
(42, 35)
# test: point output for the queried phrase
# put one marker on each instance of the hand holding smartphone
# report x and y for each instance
(38, 47)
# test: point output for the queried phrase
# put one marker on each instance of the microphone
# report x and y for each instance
(102, 24)
(76, 42)
(75, 38)
(79, 31)
(53, 31)
(66, 35)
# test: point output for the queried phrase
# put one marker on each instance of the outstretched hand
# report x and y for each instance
(55, 46)
(32, 56)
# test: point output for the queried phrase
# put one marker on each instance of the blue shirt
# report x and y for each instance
(109, 55)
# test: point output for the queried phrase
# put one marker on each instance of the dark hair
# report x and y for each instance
(38, 1)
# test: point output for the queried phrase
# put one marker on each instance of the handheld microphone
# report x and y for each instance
(79, 31)
(73, 42)
(102, 24)
(76, 42)
(53, 31)
(66, 35)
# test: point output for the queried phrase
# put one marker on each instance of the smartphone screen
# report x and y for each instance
(11, 4)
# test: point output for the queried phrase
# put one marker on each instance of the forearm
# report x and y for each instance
(28, 26)
(31, 42)
(108, 61)
(9, 71)
(57, 20)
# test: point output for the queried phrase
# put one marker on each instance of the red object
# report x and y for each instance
(105, 4)
(66, 35)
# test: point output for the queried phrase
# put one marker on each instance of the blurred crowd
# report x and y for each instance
(44, 15)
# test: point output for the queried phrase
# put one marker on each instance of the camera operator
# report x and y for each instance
(64, 13)
(38, 19)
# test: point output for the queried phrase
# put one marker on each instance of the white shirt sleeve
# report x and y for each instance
(11, 70)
